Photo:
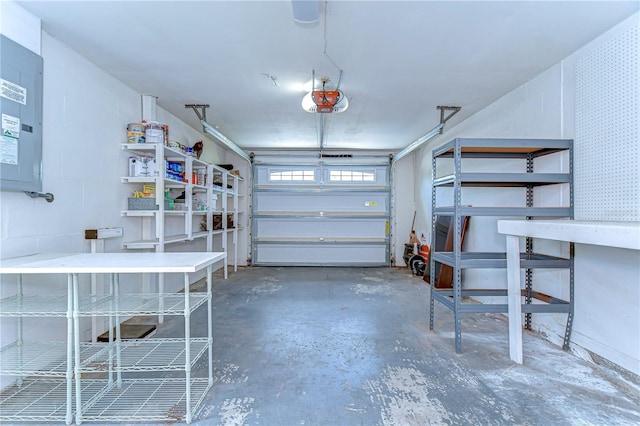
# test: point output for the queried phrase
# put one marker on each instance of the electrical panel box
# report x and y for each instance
(21, 126)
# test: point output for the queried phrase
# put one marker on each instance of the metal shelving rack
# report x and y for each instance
(455, 179)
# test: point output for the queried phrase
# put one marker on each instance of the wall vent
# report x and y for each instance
(336, 155)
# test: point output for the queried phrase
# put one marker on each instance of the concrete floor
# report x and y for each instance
(352, 346)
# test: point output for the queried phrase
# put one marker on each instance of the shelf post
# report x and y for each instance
(457, 227)
(187, 346)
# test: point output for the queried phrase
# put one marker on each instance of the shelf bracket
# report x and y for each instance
(454, 110)
(202, 114)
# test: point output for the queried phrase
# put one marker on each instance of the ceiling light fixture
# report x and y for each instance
(325, 101)
(305, 11)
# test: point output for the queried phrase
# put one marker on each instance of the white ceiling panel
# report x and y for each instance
(399, 59)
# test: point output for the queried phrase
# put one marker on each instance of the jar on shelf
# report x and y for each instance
(154, 133)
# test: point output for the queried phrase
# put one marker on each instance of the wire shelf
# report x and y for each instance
(141, 400)
(35, 400)
(40, 359)
(139, 304)
(146, 355)
(34, 359)
(34, 306)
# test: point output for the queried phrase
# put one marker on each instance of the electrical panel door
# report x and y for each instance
(21, 108)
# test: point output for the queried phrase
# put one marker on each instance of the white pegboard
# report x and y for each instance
(607, 147)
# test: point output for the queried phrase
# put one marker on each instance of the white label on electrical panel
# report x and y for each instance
(13, 91)
(10, 126)
(8, 150)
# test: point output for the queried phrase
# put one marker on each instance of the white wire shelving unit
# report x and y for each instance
(120, 380)
(42, 370)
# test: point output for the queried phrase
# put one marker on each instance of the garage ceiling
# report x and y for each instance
(400, 59)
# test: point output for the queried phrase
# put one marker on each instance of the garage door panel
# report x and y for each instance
(320, 228)
(320, 255)
(368, 202)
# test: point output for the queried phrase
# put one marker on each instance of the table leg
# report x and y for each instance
(112, 308)
(161, 296)
(187, 346)
(210, 322)
(19, 341)
(116, 280)
(70, 346)
(514, 298)
(76, 342)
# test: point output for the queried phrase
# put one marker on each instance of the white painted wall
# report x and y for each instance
(85, 114)
(607, 301)
(403, 207)
(244, 209)
(19, 25)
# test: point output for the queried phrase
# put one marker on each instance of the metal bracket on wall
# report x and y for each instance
(444, 119)
(47, 196)
(202, 116)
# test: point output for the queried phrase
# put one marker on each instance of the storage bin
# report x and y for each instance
(142, 204)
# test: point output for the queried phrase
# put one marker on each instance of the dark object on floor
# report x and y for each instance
(417, 262)
(129, 331)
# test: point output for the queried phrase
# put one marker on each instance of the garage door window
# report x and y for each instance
(351, 176)
(292, 175)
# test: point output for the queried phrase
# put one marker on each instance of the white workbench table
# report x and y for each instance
(115, 264)
(624, 235)
(85, 263)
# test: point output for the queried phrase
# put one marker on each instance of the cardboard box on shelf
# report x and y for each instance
(142, 167)
(217, 221)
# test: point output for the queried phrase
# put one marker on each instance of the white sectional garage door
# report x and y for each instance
(321, 214)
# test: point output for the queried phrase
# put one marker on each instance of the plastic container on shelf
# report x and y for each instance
(154, 133)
